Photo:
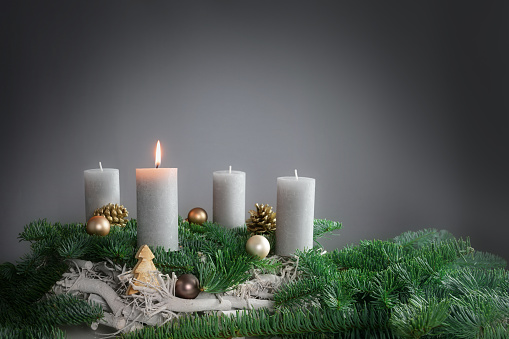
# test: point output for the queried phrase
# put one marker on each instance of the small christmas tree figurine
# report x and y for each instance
(145, 271)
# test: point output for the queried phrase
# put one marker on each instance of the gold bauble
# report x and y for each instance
(197, 216)
(116, 214)
(258, 246)
(98, 225)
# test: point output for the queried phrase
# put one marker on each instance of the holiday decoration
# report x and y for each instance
(98, 225)
(295, 214)
(229, 198)
(145, 271)
(262, 221)
(420, 284)
(197, 216)
(102, 186)
(187, 286)
(157, 205)
(116, 215)
(258, 246)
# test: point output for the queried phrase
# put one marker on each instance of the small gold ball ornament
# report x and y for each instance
(258, 246)
(98, 225)
(197, 216)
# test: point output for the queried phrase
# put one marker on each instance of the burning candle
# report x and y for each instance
(229, 198)
(101, 188)
(295, 214)
(157, 205)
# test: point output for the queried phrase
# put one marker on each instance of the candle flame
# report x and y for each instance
(158, 154)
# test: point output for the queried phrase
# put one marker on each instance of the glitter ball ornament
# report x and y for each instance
(116, 215)
(98, 225)
(197, 216)
(258, 246)
(187, 286)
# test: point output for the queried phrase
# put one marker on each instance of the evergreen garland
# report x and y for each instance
(418, 285)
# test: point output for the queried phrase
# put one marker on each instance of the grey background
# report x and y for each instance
(398, 109)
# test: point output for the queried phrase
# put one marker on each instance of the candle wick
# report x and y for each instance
(230, 170)
(101, 166)
(296, 176)
(157, 165)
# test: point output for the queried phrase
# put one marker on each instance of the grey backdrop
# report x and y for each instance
(399, 110)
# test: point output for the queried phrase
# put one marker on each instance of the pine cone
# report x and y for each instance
(116, 215)
(263, 220)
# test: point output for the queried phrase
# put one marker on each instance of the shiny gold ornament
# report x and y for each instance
(263, 220)
(258, 246)
(187, 286)
(116, 215)
(197, 216)
(98, 225)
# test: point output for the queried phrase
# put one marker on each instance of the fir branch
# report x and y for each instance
(223, 271)
(472, 314)
(338, 296)
(74, 246)
(419, 239)
(480, 260)
(14, 332)
(389, 290)
(419, 317)
(324, 226)
(356, 323)
(72, 311)
(300, 292)
(180, 262)
(36, 230)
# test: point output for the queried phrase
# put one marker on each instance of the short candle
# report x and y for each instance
(229, 198)
(101, 188)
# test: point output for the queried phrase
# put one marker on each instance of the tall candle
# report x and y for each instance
(101, 188)
(229, 198)
(295, 214)
(157, 206)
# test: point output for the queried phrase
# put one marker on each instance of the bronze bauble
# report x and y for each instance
(197, 216)
(187, 286)
(258, 246)
(98, 225)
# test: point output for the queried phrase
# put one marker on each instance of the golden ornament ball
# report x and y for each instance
(197, 216)
(258, 246)
(98, 225)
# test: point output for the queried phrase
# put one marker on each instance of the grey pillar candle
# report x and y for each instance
(101, 188)
(157, 206)
(295, 214)
(229, 198)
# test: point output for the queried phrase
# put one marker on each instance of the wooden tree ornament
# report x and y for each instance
(145, 271)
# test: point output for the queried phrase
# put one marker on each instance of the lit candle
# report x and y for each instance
(101, 188)
(157, 205)
(229, 198)
(295, 214)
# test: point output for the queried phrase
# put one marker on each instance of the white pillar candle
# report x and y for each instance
(157, 206)
(101, 188)
(229, 198)
(295, 214)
